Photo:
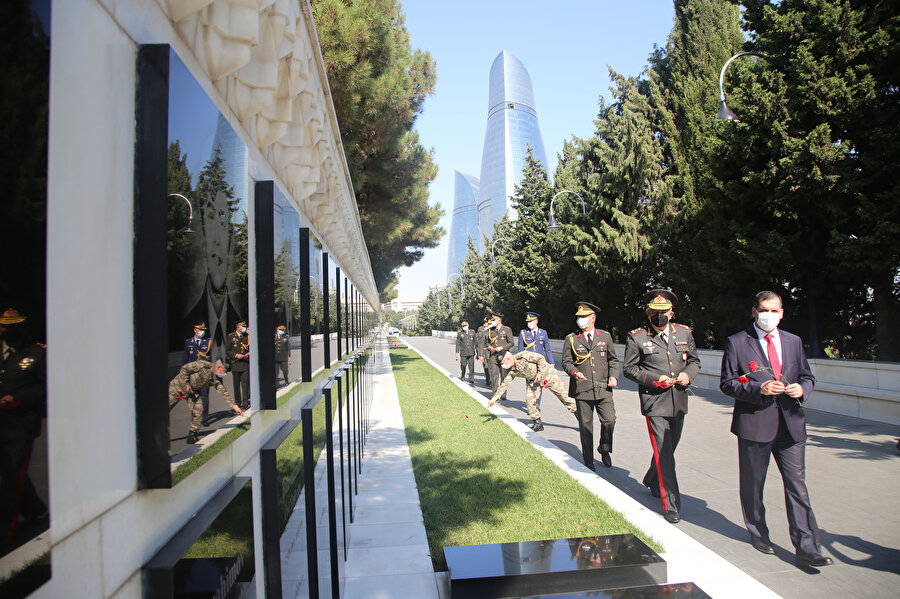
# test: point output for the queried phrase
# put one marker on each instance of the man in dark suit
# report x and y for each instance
(661, 358)
(766, 372)
(499, 340)
(482, 354)
(590, 359)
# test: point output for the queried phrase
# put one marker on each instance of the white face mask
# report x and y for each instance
(532, 325)
(581, 321)
(767, 321)
(281, 332)
(200, 334)
(466, 328)
(492, 324)
(243, 329)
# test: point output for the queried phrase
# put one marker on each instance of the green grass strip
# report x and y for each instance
(478, 481)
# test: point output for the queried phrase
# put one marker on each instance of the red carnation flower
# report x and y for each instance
(754, 366)
(656, 383)
(743, 379)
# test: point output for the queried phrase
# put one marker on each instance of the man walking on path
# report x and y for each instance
(465, 352)
(766, 371)
(499, 341)
(590, 359)
(539, 375)
(534, 338)
(661, 358)
(481, 352)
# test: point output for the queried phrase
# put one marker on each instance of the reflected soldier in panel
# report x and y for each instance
(238, 353)
(193, 378)
(282, 354)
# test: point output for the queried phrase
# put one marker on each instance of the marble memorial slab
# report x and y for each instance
(529, 568)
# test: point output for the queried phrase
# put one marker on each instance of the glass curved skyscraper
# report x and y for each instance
(464, 223)
(512, 125)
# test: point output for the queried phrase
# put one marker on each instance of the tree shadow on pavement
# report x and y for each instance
(877, 557)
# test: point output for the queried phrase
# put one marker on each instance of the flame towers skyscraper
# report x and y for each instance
(512, 126)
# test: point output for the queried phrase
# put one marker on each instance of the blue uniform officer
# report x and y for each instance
(533, 338)
(197, 348)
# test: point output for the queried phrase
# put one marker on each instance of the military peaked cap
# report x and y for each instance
(660, 299)
(529, 316)
(585, 309)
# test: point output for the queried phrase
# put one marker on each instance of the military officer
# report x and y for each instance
(198, 348)
(499, 340)
(533, 338)
(23, 404)
(589, 357)
(187, 384)
(661, 358)
(481, 353)
(539, 375)
(465, 352)
(282, 353)
(238, 352)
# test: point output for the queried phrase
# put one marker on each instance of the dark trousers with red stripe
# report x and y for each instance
(665, 433)
(17, 493)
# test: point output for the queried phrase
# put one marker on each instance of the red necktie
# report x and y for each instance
(773, 357)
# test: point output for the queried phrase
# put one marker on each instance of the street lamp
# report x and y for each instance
(456, 274)
(725, 113)
(494, 256)
(190, 211)
(553, 225)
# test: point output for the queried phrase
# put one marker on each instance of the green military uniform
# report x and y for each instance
(197, 375)
(465, 350)
(503, 338)
(650, 354)
(282, 353)
(539, 374)
(596, 359)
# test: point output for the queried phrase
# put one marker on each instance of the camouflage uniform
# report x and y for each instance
(198, 375)
(539, 374)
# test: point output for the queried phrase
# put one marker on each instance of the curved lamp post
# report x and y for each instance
(725, 113)
(456, 274)
(190, 211)
(494, 256)
(553, 225)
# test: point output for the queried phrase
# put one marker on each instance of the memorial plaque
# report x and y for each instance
(190, 264)
(554, 566)
(212, 556)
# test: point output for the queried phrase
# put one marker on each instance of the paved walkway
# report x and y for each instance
(853, 473)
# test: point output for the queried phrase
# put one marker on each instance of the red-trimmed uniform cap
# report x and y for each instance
(660, 299)
(585, 309)
(11, 316)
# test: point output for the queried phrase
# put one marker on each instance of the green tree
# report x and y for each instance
(812, 166)
(478, 293)
(378, 85)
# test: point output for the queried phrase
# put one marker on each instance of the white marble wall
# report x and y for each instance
(257, 61)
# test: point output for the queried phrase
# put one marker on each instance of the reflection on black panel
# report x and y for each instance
(24, 492)
(206, 254)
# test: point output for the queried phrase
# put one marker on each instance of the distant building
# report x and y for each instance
(512, 125)
(464, 223)
(405, 305)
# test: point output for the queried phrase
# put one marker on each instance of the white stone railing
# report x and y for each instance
(869, 390)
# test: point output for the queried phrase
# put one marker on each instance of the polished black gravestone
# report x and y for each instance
(530, 568)
(682, 590)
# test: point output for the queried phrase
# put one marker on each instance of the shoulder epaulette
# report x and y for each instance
(683, 326)
(637, 330)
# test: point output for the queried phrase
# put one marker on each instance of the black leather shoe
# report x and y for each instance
(537, 425)
(654, 492)
(672, 517)
(191, 438)
(762, 546)
(604, 457)
(815, 561)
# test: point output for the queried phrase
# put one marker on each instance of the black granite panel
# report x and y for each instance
(684, 590)
(531, 568)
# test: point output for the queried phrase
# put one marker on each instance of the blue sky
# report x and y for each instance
(565, 45)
